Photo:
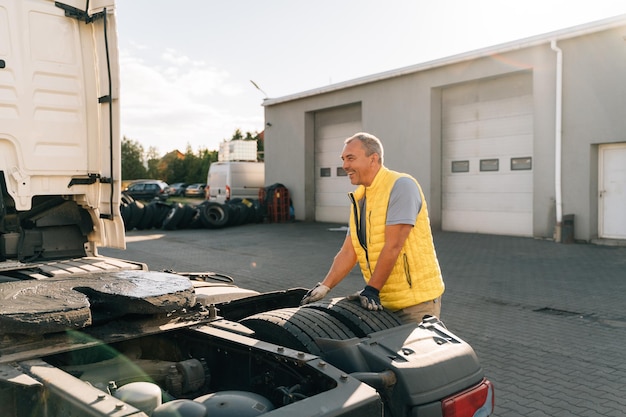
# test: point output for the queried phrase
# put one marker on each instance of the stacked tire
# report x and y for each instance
(172, 216)
(214, 215)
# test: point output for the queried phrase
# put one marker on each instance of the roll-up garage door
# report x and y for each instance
(487, 137)
(332, 186)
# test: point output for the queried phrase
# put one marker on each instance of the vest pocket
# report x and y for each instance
(407, 270)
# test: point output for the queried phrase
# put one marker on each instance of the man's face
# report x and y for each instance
(361, 169)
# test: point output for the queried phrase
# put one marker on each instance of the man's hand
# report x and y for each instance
(315, 294)
(368, 298)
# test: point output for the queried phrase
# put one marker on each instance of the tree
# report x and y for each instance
(175, 166)
(132, 160)
(237, 135)
(197, 164)
(153, 163)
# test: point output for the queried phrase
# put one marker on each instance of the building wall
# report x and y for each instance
(405, 112)
(594, 104)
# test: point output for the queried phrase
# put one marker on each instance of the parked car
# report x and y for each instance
(195, 190)
(148, 190)
(178, 188)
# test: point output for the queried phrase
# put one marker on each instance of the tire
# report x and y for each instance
(189, 213)
(126, 199)
(257, 212)
(196, 222)
(214, 215)
(297, 328)
(136, 214)
(126, 213)
(148, 217)
(173, 217)
(358, 319)
(247, 207)
(248, 211)
(161, 211)
(236, 215)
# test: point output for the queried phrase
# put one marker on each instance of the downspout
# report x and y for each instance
(558, 139)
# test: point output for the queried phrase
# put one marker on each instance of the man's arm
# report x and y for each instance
(342, 264)
(395, 236)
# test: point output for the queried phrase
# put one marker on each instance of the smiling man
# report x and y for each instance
(389, 236)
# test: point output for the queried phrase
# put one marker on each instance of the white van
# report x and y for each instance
(234, 179)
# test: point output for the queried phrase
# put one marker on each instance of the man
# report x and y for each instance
(389, 236)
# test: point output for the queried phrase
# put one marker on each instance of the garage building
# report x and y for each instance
(526, 138)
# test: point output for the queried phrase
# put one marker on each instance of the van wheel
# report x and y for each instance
(358, 319)
(297, 328)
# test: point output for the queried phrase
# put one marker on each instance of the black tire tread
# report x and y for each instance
(297, 328)
(358, 319)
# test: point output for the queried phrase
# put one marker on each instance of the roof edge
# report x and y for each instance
(561, 34)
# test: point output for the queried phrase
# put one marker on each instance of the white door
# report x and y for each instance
(332, 186)
(487, 156)
(612, 192)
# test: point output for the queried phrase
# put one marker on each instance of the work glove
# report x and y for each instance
(315, 294)
(368, 298)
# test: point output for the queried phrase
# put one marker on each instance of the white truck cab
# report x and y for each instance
(59, 129)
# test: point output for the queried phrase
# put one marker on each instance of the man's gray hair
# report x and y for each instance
(370, 142)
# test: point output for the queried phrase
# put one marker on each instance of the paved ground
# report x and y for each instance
(547, 320)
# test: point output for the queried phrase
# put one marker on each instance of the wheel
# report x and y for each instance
(297, 328)
(236, 215)
(126, 213)
(189, 213)
(126, 199)
(247, 208)
(358, 319)
(173, 217)
(148, 217)
(196, 221)
(214, 215)
(257, 212)
(136, 214)
(161, 211)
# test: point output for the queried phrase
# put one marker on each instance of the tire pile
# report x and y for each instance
(172, 216)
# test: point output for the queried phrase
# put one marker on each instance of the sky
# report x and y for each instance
(189, 67)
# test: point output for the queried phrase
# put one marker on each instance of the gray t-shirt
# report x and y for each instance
(405, 202)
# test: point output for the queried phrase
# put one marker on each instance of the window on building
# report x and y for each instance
(460, 166)
(521, 164)
(487, 165)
